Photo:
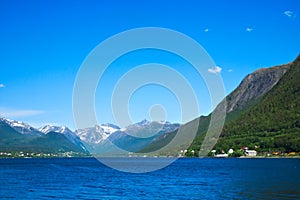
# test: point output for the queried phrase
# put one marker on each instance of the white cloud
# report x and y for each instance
(288, 13)
(206, 30)
(2, 85)
(248, 29)
(215, 70)
(230, 70)
(12, 113)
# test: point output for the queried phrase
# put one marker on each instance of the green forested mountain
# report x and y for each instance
(262, 113)
(274, 122)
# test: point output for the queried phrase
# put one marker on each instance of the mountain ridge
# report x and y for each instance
(249, 106)
(84, 140)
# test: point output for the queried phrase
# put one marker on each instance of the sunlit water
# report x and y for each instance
(86, 178)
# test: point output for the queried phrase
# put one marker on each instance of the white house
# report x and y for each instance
(223, 155)
(250, 152)
(230, 151)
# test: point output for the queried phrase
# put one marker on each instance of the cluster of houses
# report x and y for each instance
(247, 152)
(36, 155)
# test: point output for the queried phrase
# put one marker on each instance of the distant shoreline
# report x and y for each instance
(242, 157)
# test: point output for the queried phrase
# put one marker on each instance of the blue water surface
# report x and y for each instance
(187, 178)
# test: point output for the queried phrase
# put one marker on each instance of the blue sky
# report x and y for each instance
(43, 44)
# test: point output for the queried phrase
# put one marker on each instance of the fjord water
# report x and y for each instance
(187, 178)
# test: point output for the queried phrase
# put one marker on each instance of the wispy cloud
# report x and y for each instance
(248, 29)
(230, 70)
(206, 30)
(215, 70)
(12, 113)
(289, 13)
(2, 85)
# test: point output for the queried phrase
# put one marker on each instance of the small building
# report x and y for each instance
(230, 151)
(292, 154)
(223, 155)
(250, 153)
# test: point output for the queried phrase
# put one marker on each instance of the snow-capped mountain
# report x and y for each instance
(95, 140)
(146, 128)
(97, 134)
(108, 139)
(70, 135)
(21, 127)
(143, 123)
(58, 129)
(19, 136)
(136, 136)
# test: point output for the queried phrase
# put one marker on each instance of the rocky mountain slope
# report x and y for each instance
(254, 86)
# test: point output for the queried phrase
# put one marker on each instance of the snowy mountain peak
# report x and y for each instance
(58, 129)
(146, 127)
(19, 126)
(98, 133)
(15, 123)
(110, 126)
(144, 122)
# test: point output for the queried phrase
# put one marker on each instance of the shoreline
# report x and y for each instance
(76, 157)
